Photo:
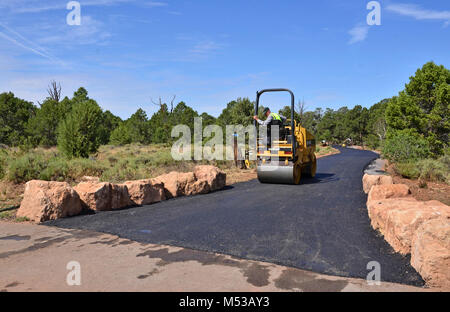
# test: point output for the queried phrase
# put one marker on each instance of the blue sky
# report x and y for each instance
(207, 53)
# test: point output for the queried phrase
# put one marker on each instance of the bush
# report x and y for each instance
(125, 169)
(434, 170)
(405, 146)
(25, 168)
(121, 135)
(3, 156)
(426, 170)
(79, 133)
(79, 167)
(373, 141)
(407, 170)
(56, 170)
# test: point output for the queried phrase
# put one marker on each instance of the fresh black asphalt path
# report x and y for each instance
(320, 225)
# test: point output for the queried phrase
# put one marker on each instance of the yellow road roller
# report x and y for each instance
(283, 159)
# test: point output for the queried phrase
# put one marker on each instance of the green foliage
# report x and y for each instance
(79, 133)
(3, 158)
(109, 123)
(408, 170)
(436, 170)
(424, 106)
(405, 145)
(57, 169)
(49, 165)
(239, 112)
(160, 126)
(122, 135)
(14, 115)
(136, 129)
(26, 167)
(79, 167)
(42, 127)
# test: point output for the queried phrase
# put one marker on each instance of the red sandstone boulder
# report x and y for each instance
(145, 192)
(430, 252)
(198, 187)
(380, 192)
(175, 183)
(103, 196)
(45, 201)
(370, 180)
(90, 179)
(215, 177)
(399, 218)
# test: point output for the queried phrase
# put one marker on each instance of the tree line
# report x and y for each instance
(413, 124)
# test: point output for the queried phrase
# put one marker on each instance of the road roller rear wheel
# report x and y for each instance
(310, 168)
(313, 168)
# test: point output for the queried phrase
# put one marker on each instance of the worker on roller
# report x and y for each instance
(272, 119)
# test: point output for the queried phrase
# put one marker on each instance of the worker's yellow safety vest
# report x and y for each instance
(276, 116)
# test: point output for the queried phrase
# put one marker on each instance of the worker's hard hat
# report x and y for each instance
(266, 110)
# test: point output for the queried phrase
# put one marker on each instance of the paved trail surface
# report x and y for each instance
(320, 225)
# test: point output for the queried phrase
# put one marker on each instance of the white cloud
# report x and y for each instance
(152, 4)
(19, 40)
(33, 6)
(91, 31)
(358, 33)
(206, 47)
(418, 13)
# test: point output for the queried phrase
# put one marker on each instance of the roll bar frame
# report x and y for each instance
(258, 95)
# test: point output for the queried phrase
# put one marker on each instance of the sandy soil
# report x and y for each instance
(430, 191)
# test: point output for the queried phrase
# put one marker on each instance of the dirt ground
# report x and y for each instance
(424, 192)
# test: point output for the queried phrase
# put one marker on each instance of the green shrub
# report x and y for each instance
(79, 133)
(407, 170)
(3, 156)
(405, 146)
(125, 169)
(122, 135)
(445, 160)
(79, 167)
(26, 167)
(56, 170)
(434, 170)
(373, 141)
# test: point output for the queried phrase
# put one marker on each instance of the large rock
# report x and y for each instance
(430, 252)
(370, 180)
(103, 196)
(145, 192)
(90, 179)
(215, 177)
(399, 218)
(380, 192)
(175, 183)
(45, 201)
(198, 187)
